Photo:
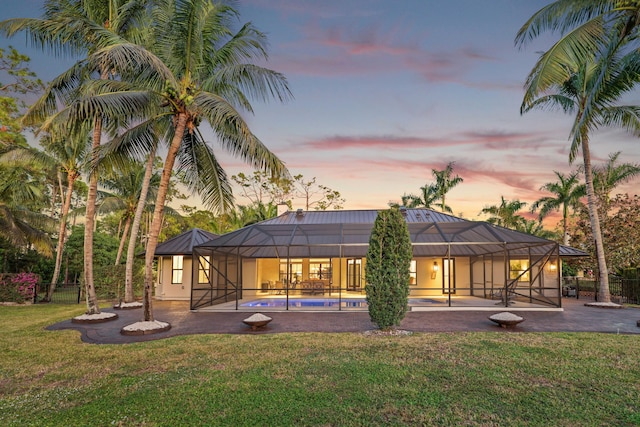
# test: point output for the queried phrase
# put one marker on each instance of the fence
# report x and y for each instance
(622, 290)
(65, 293)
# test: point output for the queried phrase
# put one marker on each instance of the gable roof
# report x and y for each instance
(183, 243)
(345, 233)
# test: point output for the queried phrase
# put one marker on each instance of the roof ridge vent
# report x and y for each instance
(299, 213)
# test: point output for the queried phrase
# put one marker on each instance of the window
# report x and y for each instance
(295, 270)
(176, 269)
(518, 269)
(203, 269)
(354, 274)
(448, 276)
(413, 275)
(320, 269)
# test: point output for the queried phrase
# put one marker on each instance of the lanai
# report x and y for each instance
(454, 258)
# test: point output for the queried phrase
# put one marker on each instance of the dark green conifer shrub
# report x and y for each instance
(387, 269)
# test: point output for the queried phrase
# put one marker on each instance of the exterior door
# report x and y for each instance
(354, 274)
(448, 276)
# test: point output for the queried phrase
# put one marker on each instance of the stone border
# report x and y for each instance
(139, 332)
(127, 307)
(609, 305)
(97, 320)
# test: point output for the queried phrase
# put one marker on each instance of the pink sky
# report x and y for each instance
(387, 90)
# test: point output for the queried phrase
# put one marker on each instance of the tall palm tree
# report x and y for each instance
(444, 183)
(68, 157)
(567, 192)
(587, 86)
(124, 185)
(506, 214)
(81, 26)
(199, 73)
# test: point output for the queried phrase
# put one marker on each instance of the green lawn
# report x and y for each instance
(489, 379)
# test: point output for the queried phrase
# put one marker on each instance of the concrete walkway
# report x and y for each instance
(574, 318)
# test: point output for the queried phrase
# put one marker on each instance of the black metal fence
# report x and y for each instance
(622, 290)
(65, 293)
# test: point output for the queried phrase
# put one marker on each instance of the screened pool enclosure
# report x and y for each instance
(320, 255)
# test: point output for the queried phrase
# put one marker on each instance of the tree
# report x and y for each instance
(387, 269)
(506, 214)
(66, 156)
(80, 26)
(444, 183)
(585, 73)
(621, 236)
(589, 96)
(125, 184)
(434, 193)
(22, 81)
(21, 198)
(198, 75)
(608, 176)
(317, 196)
(567, 192)
(427, 198)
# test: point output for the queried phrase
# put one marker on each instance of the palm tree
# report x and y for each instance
(199, 74)
(68, 156)
(588, 87)
(432, 193)
(584, 26)
(609, 176)
(21, 193)
(427, 198)
(567, 193)
(444, 183)
(124, 185)
(506, 214)
(79, 26)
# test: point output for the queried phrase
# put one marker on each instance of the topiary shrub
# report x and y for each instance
(387, 269)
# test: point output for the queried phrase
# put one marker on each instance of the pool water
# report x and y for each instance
(325, 302)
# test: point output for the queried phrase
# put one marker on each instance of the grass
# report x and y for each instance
(50, 378)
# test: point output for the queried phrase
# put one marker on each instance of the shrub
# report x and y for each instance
(387, 269)
(19, 287)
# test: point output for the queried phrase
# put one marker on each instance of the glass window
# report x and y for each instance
(176, 269)
(295, 270)
(320, 269)
(203, 269)
(519, 269)
(413, 275)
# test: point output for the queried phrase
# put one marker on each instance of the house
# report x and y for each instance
(173, 278)
(321, 255)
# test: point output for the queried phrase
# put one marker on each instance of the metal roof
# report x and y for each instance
(345, 233)
(183, 243)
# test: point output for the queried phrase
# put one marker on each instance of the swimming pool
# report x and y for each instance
(325, 302)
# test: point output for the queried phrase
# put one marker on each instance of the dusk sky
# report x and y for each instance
(386, 91)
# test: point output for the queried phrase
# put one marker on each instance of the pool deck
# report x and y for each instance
(574, 317)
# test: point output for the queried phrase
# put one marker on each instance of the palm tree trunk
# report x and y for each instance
(125, 233)
(135, 227)
(565, 233)
(603, 291)
(92, 299)
(154, 231)
(62, 232)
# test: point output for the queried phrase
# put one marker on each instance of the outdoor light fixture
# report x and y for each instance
(435, 266)
(553, 266)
